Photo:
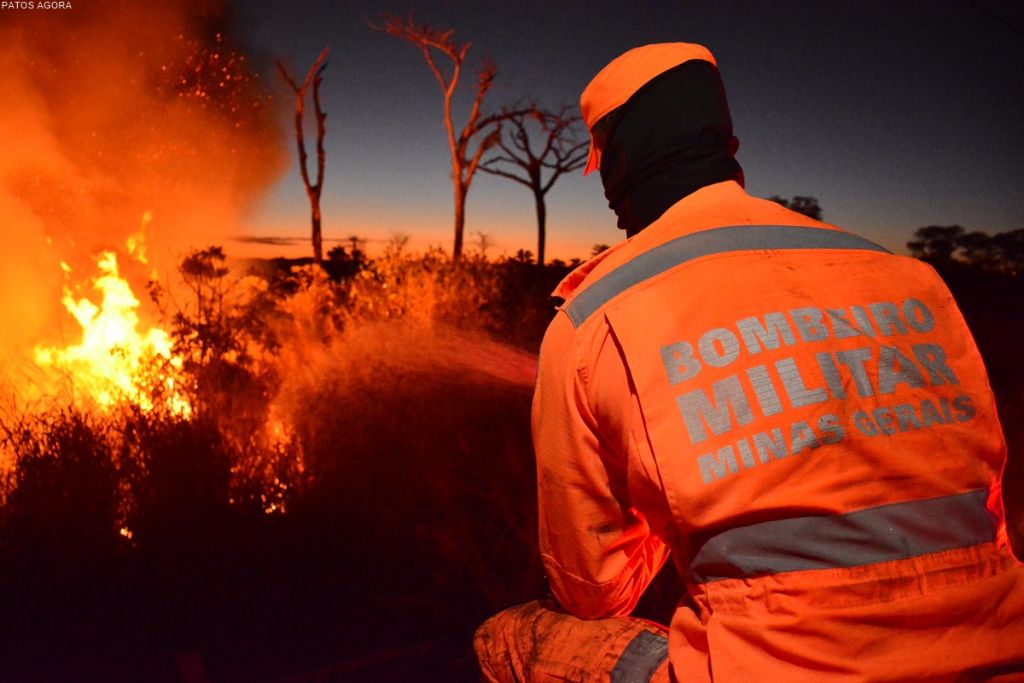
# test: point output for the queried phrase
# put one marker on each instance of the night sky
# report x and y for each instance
(894, 115)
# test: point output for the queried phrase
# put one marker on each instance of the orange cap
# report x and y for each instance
(626, 74)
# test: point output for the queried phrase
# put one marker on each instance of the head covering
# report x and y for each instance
(660, 130)
(626, 74)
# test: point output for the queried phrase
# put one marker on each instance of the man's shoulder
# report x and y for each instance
(696, 218)
(714, 206)
(583, 273)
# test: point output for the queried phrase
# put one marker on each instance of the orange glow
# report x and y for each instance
(168, 122)
(114, 357)
(136, 243)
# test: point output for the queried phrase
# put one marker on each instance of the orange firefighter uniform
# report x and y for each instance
(800, 418)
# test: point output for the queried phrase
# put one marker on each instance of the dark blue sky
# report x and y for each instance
(894, 115)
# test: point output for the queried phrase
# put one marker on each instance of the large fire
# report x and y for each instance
(115, 359)
(170, 118)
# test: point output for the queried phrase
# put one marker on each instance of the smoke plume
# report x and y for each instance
(120, 116)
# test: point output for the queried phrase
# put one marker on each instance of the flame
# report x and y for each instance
(136, 244)
(115, 360)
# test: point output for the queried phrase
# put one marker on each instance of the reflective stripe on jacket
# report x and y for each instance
(804, 420)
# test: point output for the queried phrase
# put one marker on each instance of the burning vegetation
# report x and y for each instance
(190, 453)
(277, 469)
(294, 456)
(168, 120)
(269, 469)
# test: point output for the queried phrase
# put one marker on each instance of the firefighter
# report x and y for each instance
(799, 417)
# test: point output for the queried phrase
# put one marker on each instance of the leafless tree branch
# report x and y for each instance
(563, 149)
(465, 159)
(313, 189)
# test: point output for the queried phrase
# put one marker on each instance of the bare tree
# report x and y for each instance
(464, 159)
(561, 150)
(314, 77)
(483, 242)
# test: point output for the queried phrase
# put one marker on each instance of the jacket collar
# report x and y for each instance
(674, 219)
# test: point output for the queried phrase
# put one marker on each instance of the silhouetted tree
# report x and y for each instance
(936, 243)
(483, 242)
(314, 77)
(951, 244)
(218, 330)
(560, 150)
(808, 206)
(979, 250)
(464, 158)
(342, 264)
(1011, 250)
(523, 256)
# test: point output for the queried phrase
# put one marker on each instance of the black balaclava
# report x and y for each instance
(671, 138)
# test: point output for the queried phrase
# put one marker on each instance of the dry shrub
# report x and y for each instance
(422, 289)
(375, 412)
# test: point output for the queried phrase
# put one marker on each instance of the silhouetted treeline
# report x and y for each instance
(951, 247)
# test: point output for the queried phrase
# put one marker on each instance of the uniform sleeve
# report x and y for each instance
(599, 552)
